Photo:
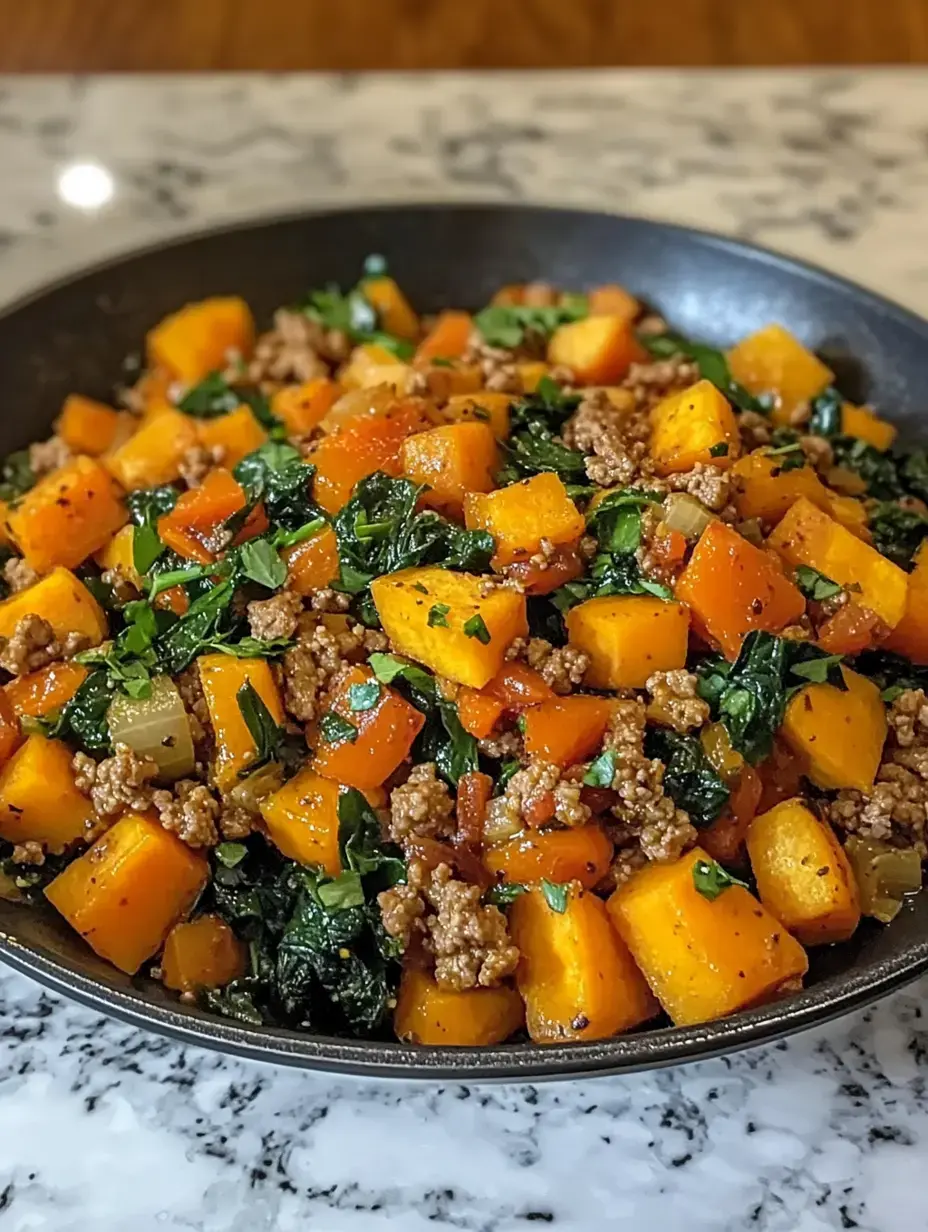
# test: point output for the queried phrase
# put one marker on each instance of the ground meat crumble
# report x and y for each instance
(674, 695)
(48, 456)
(615, 435)
(276, 617)
(319, 655)
(197, 463)
(421, 807)
(468, 941)
(562, 668)
(296, 349)
(34, 645)
(18, 574)
(535, 795)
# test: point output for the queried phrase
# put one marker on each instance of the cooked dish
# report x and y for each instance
(537, 670)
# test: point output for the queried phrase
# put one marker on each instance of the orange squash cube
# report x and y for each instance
(838, 735)
(774, 361)
(303, 407)
(393, 309)
(87, 426)
(385, 733)
(520, 515)
(599, 350)
(312, 564)
(200, 337)
(484, 407)
(762, 489)
(695, 425)
(128, 891)
(363, 444)
(39, 802)
(582, 854)
(188, 528)
(566, 730)
(154, 454)
(452, 461)
(48, 689)
(866, 425)
(202, 953)
(61, 599)
(67, 516)
(910, 636)
(302, 820)
(447, 339)
(221, 677)
(470, 1018)
(236, 434)
(628, 638)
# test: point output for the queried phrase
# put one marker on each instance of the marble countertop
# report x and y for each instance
(105, 1127)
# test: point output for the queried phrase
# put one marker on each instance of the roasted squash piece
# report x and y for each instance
(202, 953)
(774, 361)
(221, 677)
(803, 876)
(704, 957)
(838, 734)
(302, 820)
(807, 536)
(599, 350)
(198, 339)
(89, 427)
(119, 553)
(128, 891)
(190, 526)
(233, 436)
(447, 339)
(312, 564)
(67, 516)
(576, 976)
(582, 854)
(695, 425)
(762, 489)
(451, 461)
(385, 726)
(733, 587)
(363, 444)
(155, 453)
(520, 515)
(39, 802)
(43, 691)
(479, 713)
(302, 408)
(480, 623)
(613, 300)
(62, 600)
(393, 309)
(866, 425)
(426, 1013)
(11, 736)
(566, 730)
(628, 638)
(484, 407)
(910, 636)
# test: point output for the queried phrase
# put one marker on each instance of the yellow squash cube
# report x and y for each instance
(302, 820)
(39, 802)
(598, 350)
(838, 734)
(762, 489)
(520, 515)
(803, 875)
(154, 454)
(628, 638)
(221, 677)
(807, 536)
(452, 461)
(473, 621)
(200, 337)
(774, 361)
(485, 407)
(695, 425)
(61, 599)
(867, 426)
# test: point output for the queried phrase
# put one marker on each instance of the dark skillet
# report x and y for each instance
(74, 336)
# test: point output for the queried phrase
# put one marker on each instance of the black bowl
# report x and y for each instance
(75, 335)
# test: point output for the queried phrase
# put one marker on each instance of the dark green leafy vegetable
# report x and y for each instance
(475, 626)
(438, 616)
(689, 778)
(891, 672)
(504, 895)
(712, 365)
(260, 562)
(146, 506)
(507, 325)
(815, 585)
(555, 895)
(750, 695)
(601, 771)
(364, 696)
(276, 474)
(353, 314)
(710, 879)
(82, 720)
(534, 446)
(131, 659)
(16, 475)
(264, 729)
(826, 415)
(214, 396)
(897, 532)
(878, 470)
(207, 619)
(336, 730)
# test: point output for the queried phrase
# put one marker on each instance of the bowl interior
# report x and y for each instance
(75, 337)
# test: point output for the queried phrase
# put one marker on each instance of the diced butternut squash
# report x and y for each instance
(517, 685)
(566, 730)
(154, 454)
(385, 731)
(312, 564)
(118, 553)
(393, 309)
(394, 376)
(521, 515)
(480, 623)
(703, 957)
(695, 425)
(582, 854)
(190, 527)
(724, 838)
(838, 734)
(599, 350)
(87, 426)
(866, 425)
(39, 802)
(128, 891)
(452, 461)
(485, 407)
(850, 630)
(807, 536)
(67, 516)
(803, 876)
(628, 638)
(364, 357)
(851, 513)
(447, 339)
(774, 361)
(202, 953)
(302, 408)
(362, 445)
(10, 734)
(479, 713)
(45, 690)
(576, 976)
(236, 435)
(910, 636)
(733, 587)
(302, 820)
(62, 600)
(198, 340)
(426, 1013)
(762, 489)
(613, 300)
(531, 373)
(222, 676)
(446, 381)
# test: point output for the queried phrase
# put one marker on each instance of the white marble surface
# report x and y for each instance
(106, 1128)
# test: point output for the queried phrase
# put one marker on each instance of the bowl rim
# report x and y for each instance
(834, 996)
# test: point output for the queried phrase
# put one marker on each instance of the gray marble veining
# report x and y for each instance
(107, 1128)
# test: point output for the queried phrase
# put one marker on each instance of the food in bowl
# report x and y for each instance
(533, 670)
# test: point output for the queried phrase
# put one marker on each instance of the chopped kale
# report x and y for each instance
(276, 474)
(336, 730)
(897, 532)
(710, 879)
(352, 313)
(146, 506)
(891, 672)
(214, 396)
(689, 778)
(815, 585)
(555, 895)
(16, 475)
(263, 728)
(82, 720)
(826, 415)
(878, 470)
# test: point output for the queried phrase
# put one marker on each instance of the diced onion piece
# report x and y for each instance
(686, 514)
(842, 479)
(249, 792)
(498, 827)
(884, 874)
(157, 727)
(751, 530)
(374, 401)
